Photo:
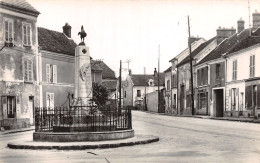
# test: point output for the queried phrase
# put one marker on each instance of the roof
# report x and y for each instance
(226, 46)
(19, 4)
(196, 51)
(55, 42)
(142, 80)
(107, 72)
(193, 40)
(110, 85)
(250, 41)
(168, 69)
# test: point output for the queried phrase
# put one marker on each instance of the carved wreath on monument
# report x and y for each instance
(83, 71)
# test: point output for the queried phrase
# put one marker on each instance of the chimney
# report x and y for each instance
(130, 72)
(240, 25)
(67, 30)
(155, 72)
(256, 20)
(223, 33)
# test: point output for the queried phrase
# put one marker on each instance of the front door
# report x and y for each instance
(11, 107)
(219, 102)
(31, 109)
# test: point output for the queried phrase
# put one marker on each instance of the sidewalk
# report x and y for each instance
(241, 119)
(17, 130)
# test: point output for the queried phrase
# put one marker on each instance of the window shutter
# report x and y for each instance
(28, 35)
(30, 70)
(206, 75)
(248, 97)
(6, 31)
(25, 70)
(47, 72)
(253, 68)
(258, 96)
(250, 66)
(54, 73)
(47, 99)
(24, 34)
(10, 31)
(52, 100)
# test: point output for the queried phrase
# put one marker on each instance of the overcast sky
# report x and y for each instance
(132, 29)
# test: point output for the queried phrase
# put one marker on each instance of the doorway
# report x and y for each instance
(219, 102)
(11, 107)
(182, 99)
(31, 109)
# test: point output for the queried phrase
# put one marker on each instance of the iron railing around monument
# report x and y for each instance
(81, 119)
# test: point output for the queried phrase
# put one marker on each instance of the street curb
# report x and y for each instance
(213, 118)
(82, 147)
(12, 132)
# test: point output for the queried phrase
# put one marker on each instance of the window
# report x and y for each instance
(28, 70)
(174, 100)
(138, 93)
(26, 35)
(125, 94)
(51, 73)
(234, 74)
(168, 84)
(217, 71)
(8, 30)
(174, 78)
(49, 100)
(252, 66)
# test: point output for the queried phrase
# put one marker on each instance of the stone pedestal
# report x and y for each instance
(83, 81)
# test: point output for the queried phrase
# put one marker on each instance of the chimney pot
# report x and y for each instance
(155, 72)
(67, 30)
(240, 25)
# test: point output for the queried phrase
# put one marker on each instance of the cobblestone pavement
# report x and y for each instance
(182, 139)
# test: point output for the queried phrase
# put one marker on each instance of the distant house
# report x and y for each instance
(167, 96)
(57, 53)
(18, 59)
(136, 86)
(173, 99)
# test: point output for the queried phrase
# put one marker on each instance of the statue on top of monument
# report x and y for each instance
(82, 34)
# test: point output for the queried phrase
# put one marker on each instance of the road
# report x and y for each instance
(182, 139)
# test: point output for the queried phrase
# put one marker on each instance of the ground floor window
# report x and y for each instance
(233, 99)
(9, 104)
(174, 101)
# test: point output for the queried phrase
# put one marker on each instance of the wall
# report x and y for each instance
(149, 89)
(128, 88)
(152, 101)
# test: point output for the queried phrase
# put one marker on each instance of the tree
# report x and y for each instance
(100, 93)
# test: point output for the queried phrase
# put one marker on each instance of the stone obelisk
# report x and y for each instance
(83, 81)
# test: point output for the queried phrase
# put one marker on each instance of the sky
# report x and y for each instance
(134, 29)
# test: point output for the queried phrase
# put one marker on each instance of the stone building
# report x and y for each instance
(19, 81)
(184, 78)
(173, 99)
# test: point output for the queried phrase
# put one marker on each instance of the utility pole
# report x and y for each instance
(158, 75)
(120, 84)
(191, 73)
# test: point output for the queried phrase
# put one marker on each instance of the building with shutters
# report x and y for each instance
(243, 78)
(19, 82)
(56, 75)
(174, 99)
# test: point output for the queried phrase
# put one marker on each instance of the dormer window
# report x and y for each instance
(150, 82)
(9, 36)
(26, 34)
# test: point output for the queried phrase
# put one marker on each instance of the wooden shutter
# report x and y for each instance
(248, 96)
(25, 70)
(52, 100)
(250, 66)
(258, 96)
(30, 70)
(54, 73)
(206, 75)
(28, 35)
(253, 67)
(48, 72)
(10, 31)
(47, 99)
